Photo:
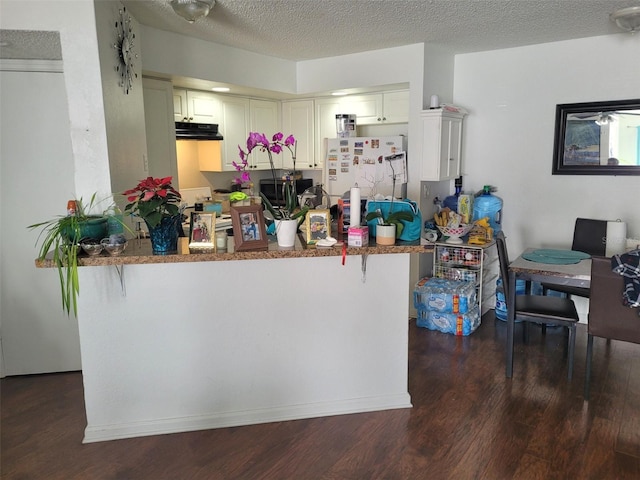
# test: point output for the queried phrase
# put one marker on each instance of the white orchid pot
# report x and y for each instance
(286, 232)
(386, 234)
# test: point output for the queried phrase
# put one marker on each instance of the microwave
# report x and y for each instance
(268, 189)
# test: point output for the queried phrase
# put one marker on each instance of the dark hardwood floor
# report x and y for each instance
(468, 422)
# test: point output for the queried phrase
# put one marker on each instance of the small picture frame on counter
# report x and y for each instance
(249, 231)
(202, 230)
(318, 225)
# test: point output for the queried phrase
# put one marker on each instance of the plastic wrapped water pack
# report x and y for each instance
(453, 323)
(444, 296)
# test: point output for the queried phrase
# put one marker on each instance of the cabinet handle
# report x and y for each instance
(379, 119)
(384, 119)
(451, 159)
(185, 119)
(190, 119)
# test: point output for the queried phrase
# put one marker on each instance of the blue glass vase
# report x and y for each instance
(164, 236)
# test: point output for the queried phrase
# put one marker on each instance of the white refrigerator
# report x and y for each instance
(368, 162)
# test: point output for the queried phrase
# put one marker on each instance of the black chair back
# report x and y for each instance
(590, 236)
(503, 260)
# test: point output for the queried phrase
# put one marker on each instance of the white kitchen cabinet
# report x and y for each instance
(395, 107)
(265, 118)
(196, 106)
(441, 144)
(374, 109)
(234, 127)
(238, 117)
(298, 120)
(326, 110)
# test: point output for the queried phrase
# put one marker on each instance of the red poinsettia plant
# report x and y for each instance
(153, 199)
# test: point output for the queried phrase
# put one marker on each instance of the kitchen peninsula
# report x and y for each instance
(196, 341)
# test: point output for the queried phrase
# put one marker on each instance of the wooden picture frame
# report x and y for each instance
(318, 225)
(202, 230)
(249, 231)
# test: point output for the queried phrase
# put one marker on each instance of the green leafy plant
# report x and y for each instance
(62, 236)
(393, 218)
(291, 209)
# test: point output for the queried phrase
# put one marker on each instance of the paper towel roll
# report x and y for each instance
(616, 238)
(354, 205)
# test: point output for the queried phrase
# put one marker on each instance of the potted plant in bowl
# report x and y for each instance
(62, 236)
(288, 216)
(157, 202)
(389, 226)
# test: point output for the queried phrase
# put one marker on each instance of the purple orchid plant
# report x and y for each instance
(277, 144)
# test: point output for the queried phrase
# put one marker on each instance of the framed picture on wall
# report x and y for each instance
(318, 225)
(203, 229)
(249, 231)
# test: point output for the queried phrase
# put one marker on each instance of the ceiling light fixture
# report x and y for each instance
(220, 89)
(627, 18)
(338, 94)
(190, 10)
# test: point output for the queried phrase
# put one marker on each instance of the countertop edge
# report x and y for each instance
(138, 255)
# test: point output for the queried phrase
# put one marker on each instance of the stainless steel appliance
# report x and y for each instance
(197, 131)
(268, 189)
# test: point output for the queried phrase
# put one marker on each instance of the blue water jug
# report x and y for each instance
(501, 302)
(488, 205)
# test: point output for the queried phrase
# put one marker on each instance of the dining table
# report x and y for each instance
(576, 274)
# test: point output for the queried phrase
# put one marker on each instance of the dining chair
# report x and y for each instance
(539, 308)
(608, 317)
(589, 236)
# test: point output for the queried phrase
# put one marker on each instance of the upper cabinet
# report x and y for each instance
(310, 121)
(265, 118)
(238, 116)
(234, 127)
(441, 144)
(373, 109)
(370, 109)
(196, 106)
(298, 120)
(395, 107)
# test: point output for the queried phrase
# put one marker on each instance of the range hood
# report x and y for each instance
(197, 131)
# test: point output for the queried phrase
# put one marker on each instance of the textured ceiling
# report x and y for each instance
(308, 29)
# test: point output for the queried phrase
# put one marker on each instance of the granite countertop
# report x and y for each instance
(139, 252)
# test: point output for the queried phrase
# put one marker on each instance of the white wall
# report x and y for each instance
(79, 170)
(508, 136)
(124, 113)
(37, 336)
(173, 54)
(75, 20)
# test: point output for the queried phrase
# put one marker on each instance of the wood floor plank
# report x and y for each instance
(468, 422)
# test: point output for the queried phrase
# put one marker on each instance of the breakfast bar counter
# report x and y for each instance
(138, 251)
(195, 341)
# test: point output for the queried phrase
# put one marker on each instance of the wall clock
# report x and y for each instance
(124, 46)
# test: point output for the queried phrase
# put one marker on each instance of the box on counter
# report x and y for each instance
(465, 207)
(460, 324)
(358, 236)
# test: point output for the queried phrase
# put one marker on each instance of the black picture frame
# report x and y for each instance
(579, 128)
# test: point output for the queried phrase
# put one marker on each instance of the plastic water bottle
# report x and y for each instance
(501, 301)
(488, 205)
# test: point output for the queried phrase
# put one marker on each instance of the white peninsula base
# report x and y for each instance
(190, 346)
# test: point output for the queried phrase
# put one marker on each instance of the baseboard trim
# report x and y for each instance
(100, 433)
